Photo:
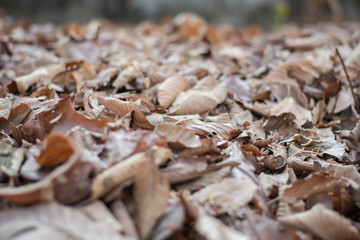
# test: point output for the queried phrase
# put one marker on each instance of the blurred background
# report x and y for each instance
(267, 13)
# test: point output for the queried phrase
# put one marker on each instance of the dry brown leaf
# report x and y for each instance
(315, 184)
(43, 190)
(151, 193)
(289, 105)
(185, 169)
(170, 89)
(213, 229)
(62, 117)
(178, 134)
(227, 194)
(301, 69)
(192, 27)
(39, 75)
(311, 42)
(52, 221)
(323, 223)
(125, 170)
(55, 149)
(126, 75)
(207, 94)
(224, 131)
(121, 108)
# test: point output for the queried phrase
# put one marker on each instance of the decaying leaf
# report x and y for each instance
(207, 93)
(227, 194)
(322, 223)
(213, 229)
(289, 105)
(52, 221)
(40, 74)
(124, 170)
(151, 193)
(178, 134)
(121, 108)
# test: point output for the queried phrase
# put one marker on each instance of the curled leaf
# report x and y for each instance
(56, 149)
(121, 108)
(317, 221)
(179, 134)
(207, 93)
(170, 89)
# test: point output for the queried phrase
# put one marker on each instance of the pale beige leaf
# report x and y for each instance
(229, 193)
(39, 75)
(213, 229)
(170, 89)
(151, 193)
(224, 131)
(125, 76)
(323, 223)
(310, 42)
(5, 107)
(121, 108)
(179, 134)
(289, 105)
(344, 100)
(52, 221)
(205, 95)
(125, 170)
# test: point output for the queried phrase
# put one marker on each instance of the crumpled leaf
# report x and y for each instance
(207, 93)
(121, 108)
(52, 221)
(170, 89)
(151, 193)
(289, 105)
(178, 134)
(322, 223)
(331, 147)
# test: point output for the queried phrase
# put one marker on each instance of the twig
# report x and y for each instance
(348, 79)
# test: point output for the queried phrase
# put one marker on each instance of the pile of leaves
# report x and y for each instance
(179, 130)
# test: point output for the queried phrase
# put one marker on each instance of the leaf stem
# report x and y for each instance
(348, 79)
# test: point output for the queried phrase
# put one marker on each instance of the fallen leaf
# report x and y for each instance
(213, 229)
(317, 221)
(178, 134)
(39, 75)
(151, 193)
(54, 221)
(170, 89)
(121, 108)
(207, 93)
(55, 150)
(289, 105)
(225, 195)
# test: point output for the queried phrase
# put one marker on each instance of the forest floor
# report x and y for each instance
(179, 130)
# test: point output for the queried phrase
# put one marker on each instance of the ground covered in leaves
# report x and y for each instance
(179, 130)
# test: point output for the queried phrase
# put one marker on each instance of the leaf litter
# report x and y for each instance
(179, 130)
